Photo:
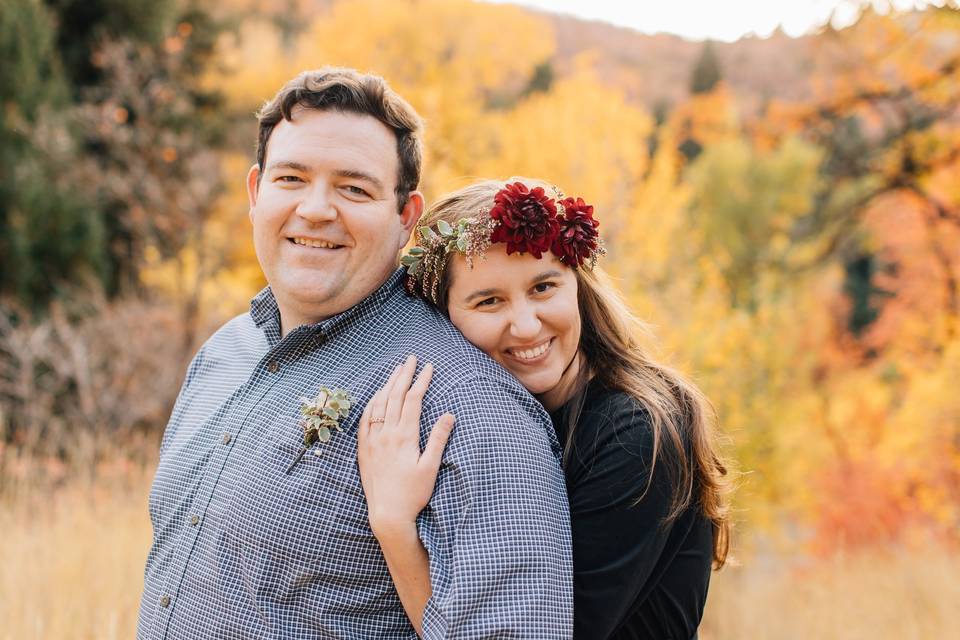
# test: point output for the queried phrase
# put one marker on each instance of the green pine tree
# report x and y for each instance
(48, 234)
(706, 72)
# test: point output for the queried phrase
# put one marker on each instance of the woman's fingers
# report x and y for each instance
(399, 390)
(439, 435)
(364, 429)
(413, 399)
(378, 403)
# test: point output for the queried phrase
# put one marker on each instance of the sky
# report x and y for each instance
(725, 20)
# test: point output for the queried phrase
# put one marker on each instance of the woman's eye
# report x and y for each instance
(543, 287)
(487, 302)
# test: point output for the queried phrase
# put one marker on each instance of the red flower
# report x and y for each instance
(528, 219)
(578, 233)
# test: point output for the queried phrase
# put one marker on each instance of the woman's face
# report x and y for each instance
(522, 311)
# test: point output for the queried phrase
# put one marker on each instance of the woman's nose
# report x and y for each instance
(525, 322)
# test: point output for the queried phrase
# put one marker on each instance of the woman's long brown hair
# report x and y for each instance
(682, 420)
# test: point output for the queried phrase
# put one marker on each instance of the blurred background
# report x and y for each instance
(781, 202)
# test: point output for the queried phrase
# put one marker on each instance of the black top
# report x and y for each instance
(634, 576)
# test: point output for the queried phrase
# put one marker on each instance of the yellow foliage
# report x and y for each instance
(581, 135)
(808, 407)
(448, 58)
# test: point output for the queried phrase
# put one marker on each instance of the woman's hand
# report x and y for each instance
(397, 479)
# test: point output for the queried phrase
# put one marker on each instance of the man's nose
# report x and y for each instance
(525, 321)
(317, 205)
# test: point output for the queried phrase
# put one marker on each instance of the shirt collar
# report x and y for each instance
(266, 314)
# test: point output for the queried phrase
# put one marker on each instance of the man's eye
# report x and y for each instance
(357, 191)
(289, 179)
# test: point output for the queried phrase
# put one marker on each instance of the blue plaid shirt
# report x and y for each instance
(247, 547)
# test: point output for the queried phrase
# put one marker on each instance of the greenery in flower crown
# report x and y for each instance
(322, 414)
(460, 237)
(424, 262)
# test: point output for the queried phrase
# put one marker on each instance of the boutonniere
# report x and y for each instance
(320, 416)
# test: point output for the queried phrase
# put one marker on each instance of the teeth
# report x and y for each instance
(529, 354)
(319, 244)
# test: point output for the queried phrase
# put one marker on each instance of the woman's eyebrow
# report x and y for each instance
(553, 273)
(480, 293)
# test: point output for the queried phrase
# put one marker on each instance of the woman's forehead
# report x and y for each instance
(496, 269)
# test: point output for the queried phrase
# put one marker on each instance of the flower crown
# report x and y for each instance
(526, 220)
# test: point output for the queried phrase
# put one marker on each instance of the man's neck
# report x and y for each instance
(293, 316)
(294, 313)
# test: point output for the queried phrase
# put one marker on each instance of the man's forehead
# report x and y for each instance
(347, 142)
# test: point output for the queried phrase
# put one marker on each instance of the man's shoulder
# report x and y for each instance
(429, 335)
(463, 374)
(237, 339)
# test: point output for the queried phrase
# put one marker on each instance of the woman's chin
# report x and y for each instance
(538, 385)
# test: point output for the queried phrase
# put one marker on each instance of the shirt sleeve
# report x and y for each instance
(497, 528)
(192, 371)
(619, 532)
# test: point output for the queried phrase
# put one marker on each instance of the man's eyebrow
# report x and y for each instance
(288, 164)
(360, 175)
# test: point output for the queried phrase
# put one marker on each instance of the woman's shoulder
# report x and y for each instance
(614, 422)
(605, 407)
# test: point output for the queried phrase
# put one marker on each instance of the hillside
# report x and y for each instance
(656, 68)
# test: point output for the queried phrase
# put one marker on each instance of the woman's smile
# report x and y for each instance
(530, 355)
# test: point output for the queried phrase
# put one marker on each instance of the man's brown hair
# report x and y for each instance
(347, 90)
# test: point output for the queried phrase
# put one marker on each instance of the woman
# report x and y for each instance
(513, 268)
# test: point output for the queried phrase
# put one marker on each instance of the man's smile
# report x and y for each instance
(314, 243)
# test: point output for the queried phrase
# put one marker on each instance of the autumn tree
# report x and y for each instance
(105, 112)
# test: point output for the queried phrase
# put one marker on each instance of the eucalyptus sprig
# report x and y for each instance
(446, 238)
(322, 414)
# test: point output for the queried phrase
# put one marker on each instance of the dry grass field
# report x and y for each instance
(72, 554)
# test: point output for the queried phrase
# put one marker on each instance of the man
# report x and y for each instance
(260, 524)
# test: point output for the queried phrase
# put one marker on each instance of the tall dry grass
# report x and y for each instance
(72, 551)
(902, 594)
(72, 554)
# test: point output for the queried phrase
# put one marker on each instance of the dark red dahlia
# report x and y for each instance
(578, 233)
(527, 217)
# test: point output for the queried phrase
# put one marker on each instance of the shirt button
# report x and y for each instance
(194, 520)
(226, 438)
(164, 601)
(273, 367)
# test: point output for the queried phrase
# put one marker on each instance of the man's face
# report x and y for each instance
(325, 223)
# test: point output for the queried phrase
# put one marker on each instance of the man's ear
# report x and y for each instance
(410, 215)
(253, 187)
